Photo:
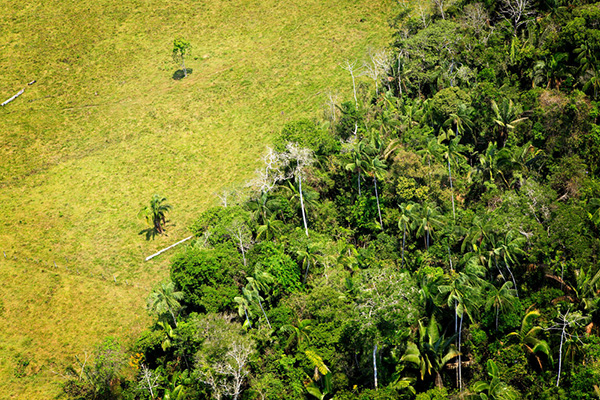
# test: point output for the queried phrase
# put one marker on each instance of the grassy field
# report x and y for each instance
(105, 126)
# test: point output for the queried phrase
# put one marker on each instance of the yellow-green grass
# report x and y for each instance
(105, 126)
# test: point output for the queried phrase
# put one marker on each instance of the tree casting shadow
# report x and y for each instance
(150, 233)
(179, 75)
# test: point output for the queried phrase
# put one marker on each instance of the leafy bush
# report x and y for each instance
(209, 277)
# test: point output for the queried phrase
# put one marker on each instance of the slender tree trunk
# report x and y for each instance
(375, 365)
(512, 277)
(172, 315)
(263, 310)
(451, 187)
(438, 380)
(403, 243)
(306, 271)
(354, 88)
(450, 258)
(499, 270)
(497, 313)
(149, 385)
(183, 66)
(377, 197)
(302, 204)
(247, 319)
(459, 354)
(242, 248)
(429, 163)
(456, 332)
(562, 338)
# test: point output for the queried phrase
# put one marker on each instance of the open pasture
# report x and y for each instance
(107, 124)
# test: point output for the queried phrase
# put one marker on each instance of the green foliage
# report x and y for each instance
(181, 49)
(283, 269)
(433, 394)
(207, 277)
(448, 102)
(155, 214)
(307, 133)
(99, 378)
(363, 214)
(465, 201)
(217, 223)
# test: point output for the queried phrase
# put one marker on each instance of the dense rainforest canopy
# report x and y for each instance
(435, 236)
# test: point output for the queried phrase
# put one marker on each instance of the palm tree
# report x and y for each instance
(496, 389)
(431, 352)
(260, 282)
(307, 254)
(460, 120)
(243, 303)
(453, 156)
(404, 223)
(516, 162)
(359, 161)
(376, 170)
(500, 299)
(592, 80)
(430, 150)
(479, 234)
(155, 213)
(489, 165)
(427, 219)
(429, 291)
(507, 117)
(453, 234)
(299, 332)
(262, 205)
(507, 249)
(305, 200)
(528, 337)
(165, 299)
(462, 294)
(271, 228)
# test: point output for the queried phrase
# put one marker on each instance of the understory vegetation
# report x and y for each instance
(435, 236)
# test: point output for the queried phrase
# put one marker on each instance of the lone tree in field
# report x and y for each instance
(181, 48)
(155, 213)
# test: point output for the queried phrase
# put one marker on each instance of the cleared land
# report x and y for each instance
(105, 126)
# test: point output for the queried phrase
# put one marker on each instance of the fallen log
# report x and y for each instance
(12, 98)
(167, 248)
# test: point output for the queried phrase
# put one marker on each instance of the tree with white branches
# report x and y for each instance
(148, 380)
(242, 236)
(566, 324)
(351, 68)
(298, 159)
(376, 66)
(517, 12)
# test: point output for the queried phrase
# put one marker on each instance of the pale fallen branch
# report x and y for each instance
(167, 248)
(14, 97)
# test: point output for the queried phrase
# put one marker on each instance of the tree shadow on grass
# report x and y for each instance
(150, 233)
(179, 75)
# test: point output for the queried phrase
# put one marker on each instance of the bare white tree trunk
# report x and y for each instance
(148, 380)
(562, 339)
(451, 187)
(460, 355)
(350, 67)
(302, 204)
(375, 366)
(377, 197)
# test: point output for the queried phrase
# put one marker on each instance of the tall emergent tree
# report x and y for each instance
(181, 48)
